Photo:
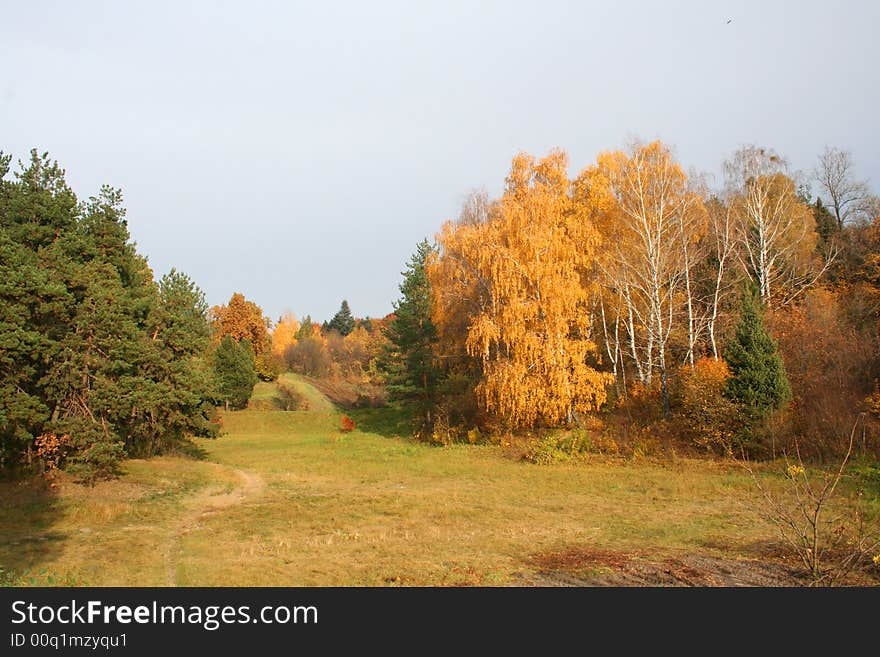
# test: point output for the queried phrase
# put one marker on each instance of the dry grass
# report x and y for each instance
(286, 499)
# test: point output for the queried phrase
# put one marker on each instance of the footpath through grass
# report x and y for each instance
(285, 498)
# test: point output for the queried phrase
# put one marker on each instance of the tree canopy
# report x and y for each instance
(93, 349)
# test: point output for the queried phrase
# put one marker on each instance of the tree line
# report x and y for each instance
(97, 359)
(742, 315)
(632, 282)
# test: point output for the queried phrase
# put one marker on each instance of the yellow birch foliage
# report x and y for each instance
(284, 334)
(652, 221)
(525, 278)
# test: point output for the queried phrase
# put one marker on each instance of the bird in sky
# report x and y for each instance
(729, 21)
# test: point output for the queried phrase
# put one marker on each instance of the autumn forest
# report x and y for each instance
(629, 310)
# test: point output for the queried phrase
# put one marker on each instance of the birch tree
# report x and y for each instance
(721, 240)
(650, 230)
(774, 229)
(530, 331)
(848, 196)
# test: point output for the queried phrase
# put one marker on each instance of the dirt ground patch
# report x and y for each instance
(594, 567)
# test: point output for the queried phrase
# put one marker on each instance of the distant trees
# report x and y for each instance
(284, 334)
(241, 320)
(849, 198)
(92, 349)
(343, 321)
(309, 356)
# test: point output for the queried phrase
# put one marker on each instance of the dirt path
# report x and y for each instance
(592, 567)
(206, 503)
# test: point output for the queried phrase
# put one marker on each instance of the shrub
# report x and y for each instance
(268, 366)
(347, 424)
(96, 460)
(831, 532)
(291, 398)
(707, 416)
(829, 364)
(309, 356)
(560, 447)
(546, 451)
(50, 451)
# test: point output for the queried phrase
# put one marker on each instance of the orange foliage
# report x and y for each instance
(50, 450)
(284, 335)
(708, 416)
(521, 282)
(829, 367)
(242, 320)
(347, 424)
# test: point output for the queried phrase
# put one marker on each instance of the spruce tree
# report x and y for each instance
(409, 362)
(342, 321)
(234, 371)
(758, 381)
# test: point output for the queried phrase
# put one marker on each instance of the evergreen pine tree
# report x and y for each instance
(234, 371)
(91, 348)
(758, 381)
(409, 362)
(342, 321)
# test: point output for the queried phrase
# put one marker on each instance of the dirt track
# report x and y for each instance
(206, 503)
(589, 567)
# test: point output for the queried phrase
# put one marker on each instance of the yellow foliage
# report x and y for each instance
(515, 291)
(708, 415)
(775, 228)
(650, 217)
(284, 334)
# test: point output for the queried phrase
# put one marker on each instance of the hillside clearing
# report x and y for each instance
(284, 498)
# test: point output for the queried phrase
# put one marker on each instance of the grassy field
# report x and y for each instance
(285, 498)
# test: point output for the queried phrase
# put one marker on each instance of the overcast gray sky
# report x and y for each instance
(297, 151)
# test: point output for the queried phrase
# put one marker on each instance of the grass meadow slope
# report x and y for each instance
(285, 498)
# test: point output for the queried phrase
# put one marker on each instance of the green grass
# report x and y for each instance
(285, 498)
(266, 397)
(317, 402)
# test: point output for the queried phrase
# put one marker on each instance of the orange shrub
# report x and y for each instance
(347, 424)
(50, 451)
(707, 416)
(829, 362)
